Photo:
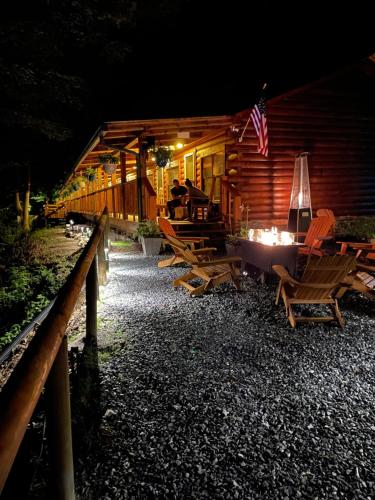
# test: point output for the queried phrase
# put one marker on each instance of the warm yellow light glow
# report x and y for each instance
(299, 200)
(153, 158)
(271, 237)
(179, 145)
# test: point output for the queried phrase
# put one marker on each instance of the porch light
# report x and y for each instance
(179, 145)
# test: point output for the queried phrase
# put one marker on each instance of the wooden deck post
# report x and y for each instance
(102, 266)
(123, 181)
(91, 302)
(60, 447)
(141, 172)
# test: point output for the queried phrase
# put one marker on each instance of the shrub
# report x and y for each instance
(359, 228)
(148, 229)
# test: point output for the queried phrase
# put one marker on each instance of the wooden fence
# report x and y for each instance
(45, 363)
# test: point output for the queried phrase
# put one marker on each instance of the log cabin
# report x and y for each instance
(332, 119)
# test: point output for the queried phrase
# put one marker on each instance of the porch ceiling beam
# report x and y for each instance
(184, 122)
(120, 149)
(153, 130)
(160, 133)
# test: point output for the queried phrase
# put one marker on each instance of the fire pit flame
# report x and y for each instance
(271, 237)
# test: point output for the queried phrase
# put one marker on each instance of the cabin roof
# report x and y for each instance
(168, 131)
(115, 135)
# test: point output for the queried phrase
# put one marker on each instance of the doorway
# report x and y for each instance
(213, 167)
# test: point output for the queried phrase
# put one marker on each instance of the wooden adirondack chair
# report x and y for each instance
(327, 212)
(212, 273)
(324, 281)
(200, 253)
(317, 232)
(364, 277)
(364, 280)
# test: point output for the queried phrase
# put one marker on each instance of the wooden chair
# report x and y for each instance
(212, 273)
(317, 232)
(327, 212)
(324, 281)
(364, 277)
(200, 208)
(201, 253)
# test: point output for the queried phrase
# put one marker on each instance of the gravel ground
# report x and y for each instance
(217, 397)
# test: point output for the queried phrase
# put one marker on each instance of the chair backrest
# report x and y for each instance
(166, 227)
(182, 250)
(326, 212)
(326, 273)
(319, 226)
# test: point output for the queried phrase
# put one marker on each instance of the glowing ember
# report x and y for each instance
(271, 237)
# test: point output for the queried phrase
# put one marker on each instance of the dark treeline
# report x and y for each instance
(66, 66)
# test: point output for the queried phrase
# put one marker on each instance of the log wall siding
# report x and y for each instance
(335, 122)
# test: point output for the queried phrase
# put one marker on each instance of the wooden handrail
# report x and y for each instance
(231, 204)
(24, 387)
(148, 186)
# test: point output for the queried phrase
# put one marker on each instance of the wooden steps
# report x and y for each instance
(214, 230)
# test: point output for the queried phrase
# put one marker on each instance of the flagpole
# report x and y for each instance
(240, 139)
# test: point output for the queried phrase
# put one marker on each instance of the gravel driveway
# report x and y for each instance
(217, 397)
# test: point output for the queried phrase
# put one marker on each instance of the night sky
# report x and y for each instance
(67, 66)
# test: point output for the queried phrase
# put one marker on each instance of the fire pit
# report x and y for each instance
(265, 248)
(271, 237)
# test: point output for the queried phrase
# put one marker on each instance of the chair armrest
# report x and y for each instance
(365, 267)
(193, 238)
(325, 238)
(204, 250)
(227, 260)
(284, 275)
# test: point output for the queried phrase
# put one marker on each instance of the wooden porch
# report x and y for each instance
(138, 189)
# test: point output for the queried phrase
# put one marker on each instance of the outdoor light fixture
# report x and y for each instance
(179, 145)
(300, 213)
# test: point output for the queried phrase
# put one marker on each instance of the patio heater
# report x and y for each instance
(300, 212)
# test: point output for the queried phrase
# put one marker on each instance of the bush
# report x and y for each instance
(359, 228)
(148, 229)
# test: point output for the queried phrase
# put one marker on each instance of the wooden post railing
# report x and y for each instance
(230, 205)
(45, 362)
(122, 200)
(149, 197)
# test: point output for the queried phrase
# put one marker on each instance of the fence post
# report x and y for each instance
(59, 427)
(106, 242)
(102, 266)
(91, 302)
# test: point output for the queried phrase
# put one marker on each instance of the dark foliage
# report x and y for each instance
(68, 66)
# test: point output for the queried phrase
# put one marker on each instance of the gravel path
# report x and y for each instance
(217, 397)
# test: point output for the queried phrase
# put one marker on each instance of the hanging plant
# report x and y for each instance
(109, 162)
(74, 185)
(163, 156)
(90, 174)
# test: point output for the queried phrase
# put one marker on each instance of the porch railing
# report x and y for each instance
(45, 363)
(230, 205)
(120, 199)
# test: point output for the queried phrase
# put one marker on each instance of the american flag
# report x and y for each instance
(258, 115)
